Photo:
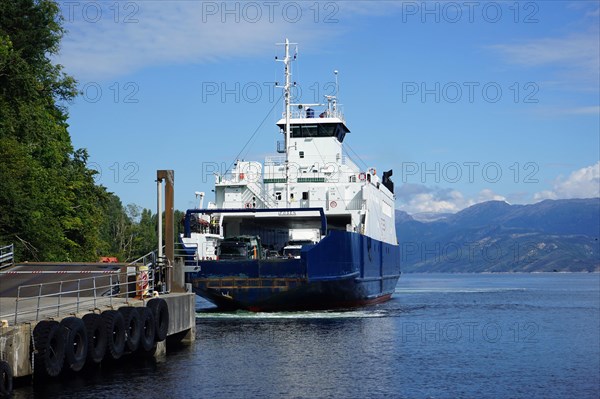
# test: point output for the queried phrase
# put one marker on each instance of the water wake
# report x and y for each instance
(325, 314)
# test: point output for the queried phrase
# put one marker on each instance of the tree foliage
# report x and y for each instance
(127, 232)
(50, 207)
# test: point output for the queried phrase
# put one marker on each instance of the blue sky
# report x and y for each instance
(465, 101)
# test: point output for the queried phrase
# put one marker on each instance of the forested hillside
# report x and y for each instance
(50, 207)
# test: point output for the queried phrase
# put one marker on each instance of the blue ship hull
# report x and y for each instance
(344, 269)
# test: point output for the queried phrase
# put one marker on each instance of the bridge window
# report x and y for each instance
(307, 130)
(313, 131)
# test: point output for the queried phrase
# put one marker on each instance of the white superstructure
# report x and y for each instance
(311, 171)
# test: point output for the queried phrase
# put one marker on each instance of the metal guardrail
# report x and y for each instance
(317, 114)
(189, 254)
(182, 250)
(148, 259)
(139, 278)
(7, 256)
(275, 160)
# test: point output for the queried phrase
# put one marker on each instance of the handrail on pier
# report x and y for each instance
(7, 256)
(69, 296)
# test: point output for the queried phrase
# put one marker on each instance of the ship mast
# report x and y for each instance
(287, 97)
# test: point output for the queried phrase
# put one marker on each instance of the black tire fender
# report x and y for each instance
(6, 379)
(49, 348)
(148, 334)
(115, 333)
(161, 317)
(76, 342)
(133, 326)
(97, 337)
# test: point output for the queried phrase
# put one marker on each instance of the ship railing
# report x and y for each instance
(7, 256)
(183, 250)
(275, 160)
(187, 251)
(316, 114)
(59, 298)
(237, 177)
(189, 254)
(228, 178)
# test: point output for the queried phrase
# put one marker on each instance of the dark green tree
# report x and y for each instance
(127, 232)
(146, 238)
(49, 205)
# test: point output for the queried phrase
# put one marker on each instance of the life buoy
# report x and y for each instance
(6, 380)
(115, 333)
(362, 176)
(332, 204)
(76, 342)
(49, 348)
(161, 317)
(133, 327)
(96, 333)
(148, 329)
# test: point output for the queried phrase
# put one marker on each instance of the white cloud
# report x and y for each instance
(582, 183)
(416, 198)
(430, 202)
(488, 195)
(581, 49)
(162, 33)
(577, 56)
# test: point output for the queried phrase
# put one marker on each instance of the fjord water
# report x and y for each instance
(441, 336)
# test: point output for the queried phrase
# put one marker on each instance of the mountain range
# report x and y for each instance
(494, 236)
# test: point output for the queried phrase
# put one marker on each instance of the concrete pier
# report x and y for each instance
(15, 340)
(47, 293)
(32, 293)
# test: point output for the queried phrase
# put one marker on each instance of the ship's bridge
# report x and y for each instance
(304, 124)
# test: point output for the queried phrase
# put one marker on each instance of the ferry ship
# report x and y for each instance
(305, 229)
